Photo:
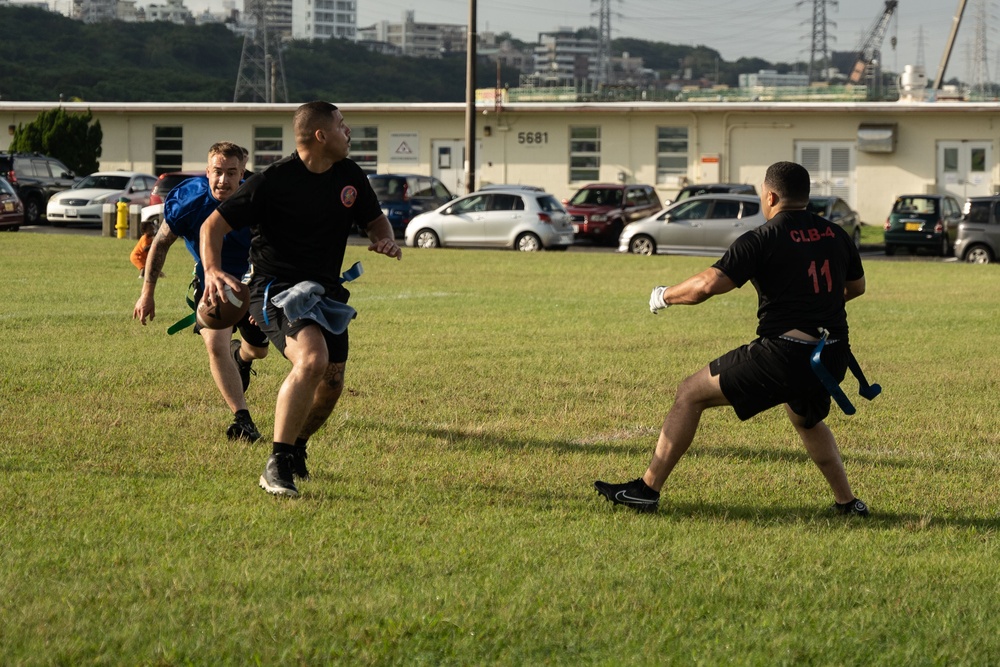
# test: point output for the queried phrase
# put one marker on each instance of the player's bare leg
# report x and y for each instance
(822, 448)
(694, 395)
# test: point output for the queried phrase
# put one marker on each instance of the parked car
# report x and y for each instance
(84, 201)
(600, 211)
(978, 239)
(923, 221)
(167, 182)
(836, 210)
(36, 178)
(11, 207)
(404, 196)
(713, 189)
(516, 218)
(700, 225)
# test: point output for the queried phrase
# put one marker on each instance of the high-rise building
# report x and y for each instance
(323, 19)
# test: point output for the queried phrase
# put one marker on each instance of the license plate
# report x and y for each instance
(576, 229)
(71, 213)
(8, 206)
(914, 226)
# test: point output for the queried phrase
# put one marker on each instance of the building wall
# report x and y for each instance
(530, 143)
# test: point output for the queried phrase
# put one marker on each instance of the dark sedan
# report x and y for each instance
(11, 208)
(836, 210)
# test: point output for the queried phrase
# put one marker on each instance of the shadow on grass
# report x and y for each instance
(807, 514)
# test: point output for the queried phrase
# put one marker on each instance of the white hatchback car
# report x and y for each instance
(510, 217)
(83, 202)
(702, 225)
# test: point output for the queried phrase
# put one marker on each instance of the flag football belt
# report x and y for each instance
(349, 275)
(865, 390)
(188, 320)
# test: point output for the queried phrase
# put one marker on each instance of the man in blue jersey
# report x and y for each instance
(804, 269)
(185, 209)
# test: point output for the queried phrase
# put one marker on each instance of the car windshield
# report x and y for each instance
(388, 187)
(818, 205)
(104, 182)
(550, 204)
(916, 206)
(597, 197)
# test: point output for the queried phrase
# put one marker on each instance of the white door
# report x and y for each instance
(964, 168)
(448, 164)
(831, 167)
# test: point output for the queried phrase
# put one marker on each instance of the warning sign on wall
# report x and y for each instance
(404, 147)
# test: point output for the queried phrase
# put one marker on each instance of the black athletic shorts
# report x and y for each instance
(249, 331)
(277, 327)
(773, 371)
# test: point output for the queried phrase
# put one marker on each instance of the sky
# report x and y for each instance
(775, 30)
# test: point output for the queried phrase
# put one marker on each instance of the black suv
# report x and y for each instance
(404, 196)
(36, 177)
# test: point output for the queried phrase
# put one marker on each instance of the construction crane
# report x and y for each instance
(951, 44)
(869, 50)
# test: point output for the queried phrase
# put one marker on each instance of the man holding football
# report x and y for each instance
(804, 269)
(300, 210)
(184, 211)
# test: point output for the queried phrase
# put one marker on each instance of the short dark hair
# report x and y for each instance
(310, 117)
(789, 180)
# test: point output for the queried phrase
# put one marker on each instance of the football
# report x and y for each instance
(226, 314)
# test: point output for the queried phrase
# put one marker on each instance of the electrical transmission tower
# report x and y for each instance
(261, 77)
(819, 53)
(979, 75)
(921, 41)
(604, 42)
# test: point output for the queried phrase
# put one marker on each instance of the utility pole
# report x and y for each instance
(470, 102)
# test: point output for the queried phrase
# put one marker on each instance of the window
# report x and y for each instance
(168, 149)
(725, 209)
(364, 148)
(696, 210)
(268, 146)
(472, 204)
(506, 203)
(671, 154)
(584, 153)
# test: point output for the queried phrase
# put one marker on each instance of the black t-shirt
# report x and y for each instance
(798, 263)
(300, 221)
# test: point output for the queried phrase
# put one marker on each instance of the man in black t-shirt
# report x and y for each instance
(300, 211)
(804, 269)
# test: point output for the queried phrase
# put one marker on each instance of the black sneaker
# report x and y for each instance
(856, 507)
(244, 367)
(243, 428)
(634, 494)
(299, 462)
(277, 476)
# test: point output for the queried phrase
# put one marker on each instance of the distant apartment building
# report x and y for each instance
(419, 40)
(769, 78)
(563, 58)
(173, 12)
(323, 19)
(96, 11)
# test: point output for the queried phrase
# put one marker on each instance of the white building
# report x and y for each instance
(173, 12)
(563, 58)
(769, 78)
(418, 40)
(323, 19)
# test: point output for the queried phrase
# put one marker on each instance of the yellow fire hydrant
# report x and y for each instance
(122, 222)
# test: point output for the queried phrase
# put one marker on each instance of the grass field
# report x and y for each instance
(451, 518)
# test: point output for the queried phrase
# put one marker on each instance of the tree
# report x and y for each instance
(68, 137)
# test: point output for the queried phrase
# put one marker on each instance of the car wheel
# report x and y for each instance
(978, 254)
(528, 242)
(426, 238)
(856, 236)
(642, 245)
(32, 210)
(890, 249)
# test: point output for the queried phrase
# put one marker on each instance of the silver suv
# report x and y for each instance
(978, 240)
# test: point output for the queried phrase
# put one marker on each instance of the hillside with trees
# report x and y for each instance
(47, 56)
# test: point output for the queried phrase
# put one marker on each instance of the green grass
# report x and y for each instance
(451, 518)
